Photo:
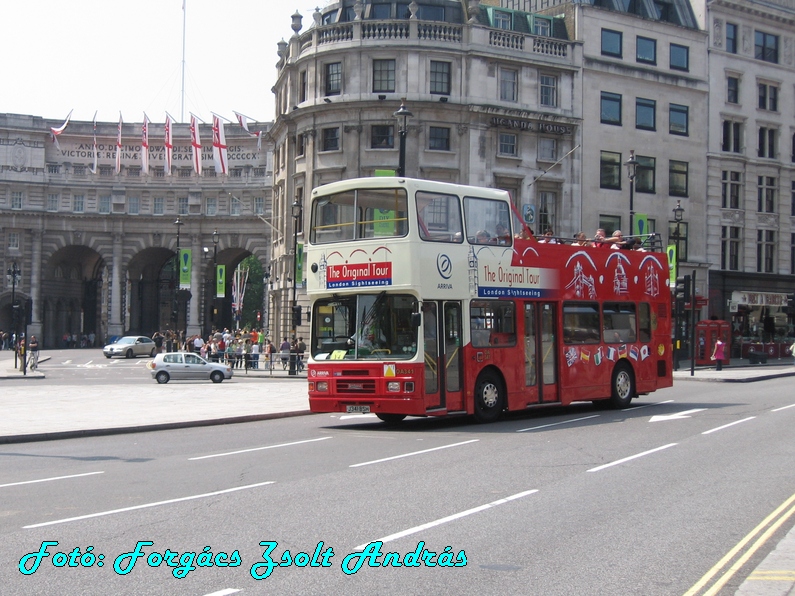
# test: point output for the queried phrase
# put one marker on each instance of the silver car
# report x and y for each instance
(184, 365)
(131, 346)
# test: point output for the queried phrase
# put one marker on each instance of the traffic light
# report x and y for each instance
(29, 311)
(296, 316)
(683, 290)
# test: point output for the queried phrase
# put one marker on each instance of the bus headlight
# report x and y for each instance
(393, 386)
(409, 386)
(322, 386)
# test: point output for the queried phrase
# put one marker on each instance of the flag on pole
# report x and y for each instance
(56, 131)
(145, 145)
(244, 123)
(219, 146)
(196, 143)
(118, 147)
(93, 169)
(168, 144)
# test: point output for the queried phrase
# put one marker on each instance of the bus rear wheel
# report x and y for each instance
(391, 418)
(622, 386)
(488, 398)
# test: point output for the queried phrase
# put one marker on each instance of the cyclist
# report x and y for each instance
(33, 349)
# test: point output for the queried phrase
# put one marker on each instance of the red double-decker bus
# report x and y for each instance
(427, 301)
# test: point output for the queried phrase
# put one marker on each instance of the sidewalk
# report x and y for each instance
(82, 410)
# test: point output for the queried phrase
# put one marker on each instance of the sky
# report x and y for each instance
(107, 56)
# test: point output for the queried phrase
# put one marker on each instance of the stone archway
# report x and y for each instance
(151, 283)
(71, 285)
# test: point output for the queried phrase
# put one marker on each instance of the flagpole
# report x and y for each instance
(184, 20)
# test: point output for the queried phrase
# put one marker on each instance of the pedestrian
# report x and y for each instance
(255, 355)
(717, 354)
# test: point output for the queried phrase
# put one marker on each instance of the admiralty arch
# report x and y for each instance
(94, 240)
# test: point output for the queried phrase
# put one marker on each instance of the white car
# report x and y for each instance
(184, 365)
(131, 346)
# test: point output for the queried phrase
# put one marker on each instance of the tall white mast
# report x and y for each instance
(184, 19)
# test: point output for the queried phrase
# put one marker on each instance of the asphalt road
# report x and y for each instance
(574, 501)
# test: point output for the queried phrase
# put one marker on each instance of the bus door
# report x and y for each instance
(442, 368)
(541, 348)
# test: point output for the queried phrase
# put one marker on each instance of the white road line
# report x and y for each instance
(378, 461)
(257, 449)
(356, 416)
(783, 408)
(223, 592)
(48, 479)
(659, 403)
(706, 432)
(145, 506)
(449, 518)
(631, 457)
(556, 423)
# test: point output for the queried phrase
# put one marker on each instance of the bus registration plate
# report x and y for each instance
(357, 409)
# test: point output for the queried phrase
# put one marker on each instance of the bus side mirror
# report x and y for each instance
(416, 319)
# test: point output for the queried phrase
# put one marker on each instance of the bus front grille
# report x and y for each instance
(356, 386)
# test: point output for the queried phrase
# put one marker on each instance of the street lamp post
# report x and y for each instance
(403, 114)
(14, 274)
(632, 166)
(297, 209)
(214, 293)
(678, 214)
(177, 266)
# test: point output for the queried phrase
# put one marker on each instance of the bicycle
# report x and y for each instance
(33, 361)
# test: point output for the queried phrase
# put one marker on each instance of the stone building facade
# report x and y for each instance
(96, 248)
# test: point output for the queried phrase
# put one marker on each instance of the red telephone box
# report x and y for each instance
(707, 334)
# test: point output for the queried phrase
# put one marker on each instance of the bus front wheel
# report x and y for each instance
(623, 386)
(391, 418)
(488, 398)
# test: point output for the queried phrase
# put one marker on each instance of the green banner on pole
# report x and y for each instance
(384, 173)
(184, 268)
(641, 224)
(673, 273)
(299, 265)
(220, 281)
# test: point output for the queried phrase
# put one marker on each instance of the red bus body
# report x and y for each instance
(448, 324)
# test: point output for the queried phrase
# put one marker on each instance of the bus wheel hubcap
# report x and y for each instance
(490, 396)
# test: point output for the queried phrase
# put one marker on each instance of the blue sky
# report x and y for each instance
(105, 56)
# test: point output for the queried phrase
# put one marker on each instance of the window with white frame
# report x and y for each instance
(440, 77)
(768, 97)
(78, 203)
(158, 206)
(235, 207)
(546, 210)
(645, 174)
(678, 172)
(730, 248)
(731, 188)
(548, 86)
(104, 204)
(211, 206)
(17, 198)
(333, 78)
(731, 38)
(766, 47)
(767, 142)
(331, 139)
(439, 138)
(509, 81)
(766, 194)
(508, 144)
(259, 205)
(732, 136)
(183, 206)
(547, 149)
(765, 251)
(133, 205)
(542, 27)
(733, 89)
(501, 20)
(384, 76)
(13, 240)
(52, 201)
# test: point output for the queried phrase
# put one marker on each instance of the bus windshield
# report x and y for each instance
(356, 214)
(364, 327)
